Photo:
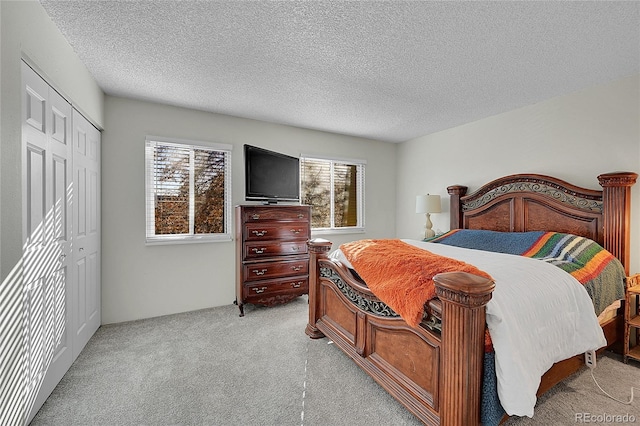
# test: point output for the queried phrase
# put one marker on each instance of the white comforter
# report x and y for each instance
(538, 315)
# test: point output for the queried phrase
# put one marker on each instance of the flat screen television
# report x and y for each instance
(270, 176)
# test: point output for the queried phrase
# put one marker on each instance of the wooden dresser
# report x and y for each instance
(271, 254)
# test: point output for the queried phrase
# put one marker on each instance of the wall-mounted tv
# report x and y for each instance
(270, 176)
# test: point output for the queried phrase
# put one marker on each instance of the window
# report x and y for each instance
(188, 191)
(335, 190)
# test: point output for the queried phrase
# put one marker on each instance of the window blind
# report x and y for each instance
(187, 192)
(335, 189)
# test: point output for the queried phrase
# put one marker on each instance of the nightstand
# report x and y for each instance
(632, 318)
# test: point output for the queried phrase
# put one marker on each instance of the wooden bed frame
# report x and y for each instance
(438, 375)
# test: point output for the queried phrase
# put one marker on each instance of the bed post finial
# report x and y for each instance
(616, 205)
(455, 208)
(318, 248)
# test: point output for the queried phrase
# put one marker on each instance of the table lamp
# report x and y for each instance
(428, 204)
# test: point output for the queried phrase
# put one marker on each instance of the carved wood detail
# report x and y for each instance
(367, 303)
(536, 185)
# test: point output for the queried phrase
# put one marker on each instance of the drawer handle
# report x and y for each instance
(260, 233)
(295, 248)
(296, 285)
(260, 272)
(300, 215)
(258, 250)
(296, 231)
(296, 268)
(259, 290)
(255, 216)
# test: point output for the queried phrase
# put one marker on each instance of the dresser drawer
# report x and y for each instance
(254, 214)
(262, 290)
(264, 270)
(276, 231)
(257, 249)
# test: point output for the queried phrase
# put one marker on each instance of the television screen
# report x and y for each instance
(270, 176)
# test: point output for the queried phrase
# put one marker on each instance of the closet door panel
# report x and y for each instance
(47, 235)
(86, 253)
(35, 198)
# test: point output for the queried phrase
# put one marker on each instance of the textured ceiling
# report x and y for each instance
(391, 71)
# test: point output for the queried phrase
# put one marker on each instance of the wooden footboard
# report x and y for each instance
(435, 375)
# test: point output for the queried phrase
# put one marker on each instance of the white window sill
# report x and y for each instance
(158, 241)
(327, 231)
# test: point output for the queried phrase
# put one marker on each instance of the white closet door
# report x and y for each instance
(86, 225)
(61, 229)
(47, 234)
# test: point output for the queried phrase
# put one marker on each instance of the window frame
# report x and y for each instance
(151, 238)
(360, 190)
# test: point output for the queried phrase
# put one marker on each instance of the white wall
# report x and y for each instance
(574, 137)
(140, 281)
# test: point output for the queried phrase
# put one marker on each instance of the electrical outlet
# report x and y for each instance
(590, 358)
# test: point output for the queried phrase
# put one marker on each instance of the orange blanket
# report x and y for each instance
(401, 275)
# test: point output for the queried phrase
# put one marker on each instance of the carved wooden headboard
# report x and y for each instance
(531, 202)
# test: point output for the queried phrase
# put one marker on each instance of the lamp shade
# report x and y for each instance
(428, 204)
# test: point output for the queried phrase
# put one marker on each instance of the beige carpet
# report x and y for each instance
(578, 400)
(211, 367)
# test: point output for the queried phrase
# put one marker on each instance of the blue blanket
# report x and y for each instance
(499, 242)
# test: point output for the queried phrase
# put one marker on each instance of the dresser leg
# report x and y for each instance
(241, 307)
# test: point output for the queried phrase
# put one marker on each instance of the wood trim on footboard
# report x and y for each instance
(436, 376)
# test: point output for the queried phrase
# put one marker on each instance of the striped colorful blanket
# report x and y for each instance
(599, 271)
